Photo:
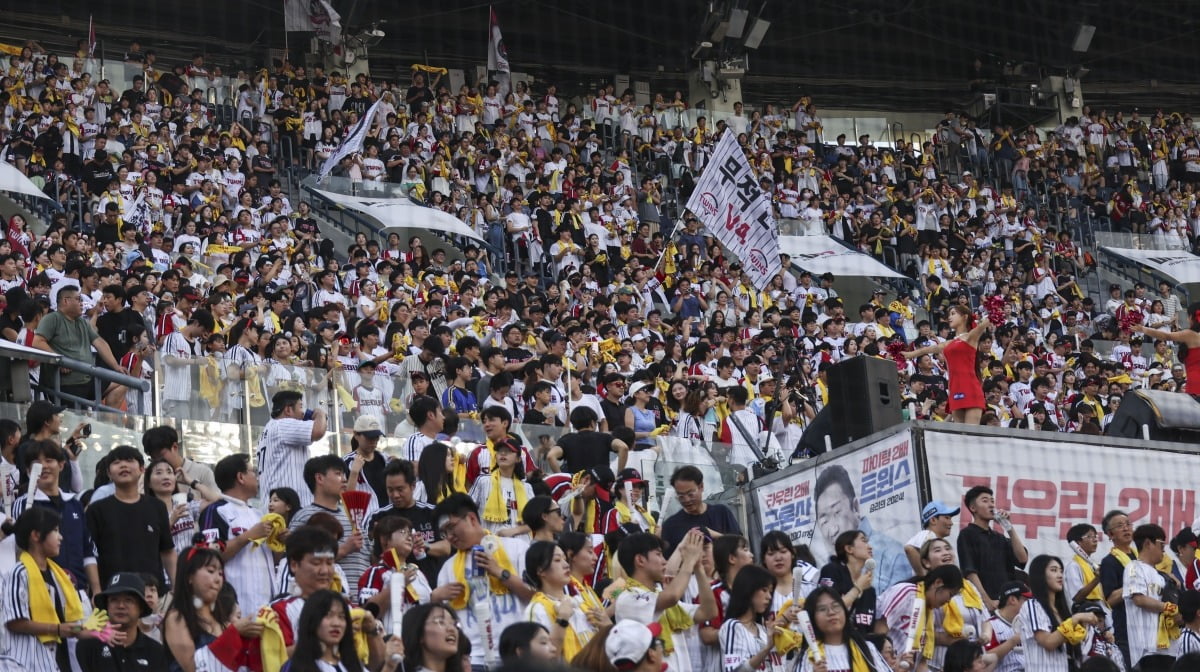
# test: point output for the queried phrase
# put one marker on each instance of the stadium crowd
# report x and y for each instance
(590, 310)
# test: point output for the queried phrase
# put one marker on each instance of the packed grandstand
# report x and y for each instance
(509, 385)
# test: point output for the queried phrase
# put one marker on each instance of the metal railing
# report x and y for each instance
(15, 363)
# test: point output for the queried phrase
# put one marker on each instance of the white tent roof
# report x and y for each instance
(1180, 265)
(15, 181)
(401, 213)
(823, 254)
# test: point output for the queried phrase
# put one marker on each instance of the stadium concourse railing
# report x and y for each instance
(213, 421)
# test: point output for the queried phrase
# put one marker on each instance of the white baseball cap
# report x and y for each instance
(629, 641)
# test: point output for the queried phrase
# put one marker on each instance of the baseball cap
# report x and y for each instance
(629, 641)
(124, 583)
(629, 474)
(1014, 589)
(936, 508)
(1186, 537)
(39, 413)
(507, 444)
(327, 325)
(368, 426)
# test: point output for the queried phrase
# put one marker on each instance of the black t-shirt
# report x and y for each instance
(373, 472)
(114, 328)
(423, 95)
(584, 450)
(837, 576)
(97, 175)
(614, 413)
(516, 355)
(717, 517)
(145, 654)
(129, 537)
(988, 554)
(307, 226)
(356, 104)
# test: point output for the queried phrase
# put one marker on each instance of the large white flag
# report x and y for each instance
(730, 204)
(353, 142)
(315, 16)
(497, 54)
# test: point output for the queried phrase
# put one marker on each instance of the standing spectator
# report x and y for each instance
(131, 530)
(715, 519)
(283, 448)
(162, 443)
(426, 416)
(1151, 622)
(365, 462)
(1050, 633)
(249, 567)
(181, 350)
(989, 558)
(1112, 572)
(325, 477)
(66, 333)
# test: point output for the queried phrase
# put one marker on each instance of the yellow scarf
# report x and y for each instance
(271, 644)
(1165, 565)
(586, 593)
(361, 646)
(571, 642)
(624, 515)
(274, 539)
(786, 640)
(1072, 632)
(460, 574)
(1123, 557)
(1088, 575)
(392, 559)
(953, 622)
(858, 662)
(925, 634)
(496, 508)
(41, 607)
(1168, 629)
(673, 619)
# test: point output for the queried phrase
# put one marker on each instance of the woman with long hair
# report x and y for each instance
(435, 473)
(199, 613)
(547, 571)
(1050, 634)
(689, 424)
(847, 573)
(746, 637)
(1189, 347)
(966, 401)
(161, 482)
(779, 556)
(325, 636)
(431, 639)
(839, 645)
(581, 562)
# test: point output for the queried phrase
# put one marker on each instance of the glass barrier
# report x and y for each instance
(364, 188)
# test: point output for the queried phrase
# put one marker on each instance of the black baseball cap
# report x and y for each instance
(1014, 589)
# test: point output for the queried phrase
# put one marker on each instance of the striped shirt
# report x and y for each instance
(739, 644)
(837, 659)
(1141, 625)
(237, 358)
(354, 563)
(282, 452)
(26, 649)
(1188, 642)
(252, 571)
(895, 606)
(288, 609)
(1033, 619)
(370, 401)
(413, 445)
(177, 378)
(1002, 631)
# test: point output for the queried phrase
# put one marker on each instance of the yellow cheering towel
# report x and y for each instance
(210, 382)
(925, 628)
(41, 607)
(361, 647)
(571, 641)
(495, 510)
(625, 515)
(673, 620)
(273, 539)
(1089, 574)
(953, 622)
(271, 643)
(858, 662)
(1072, 632)
(786, 640)
(460, 574)
(1123, 557)
(1168, 628)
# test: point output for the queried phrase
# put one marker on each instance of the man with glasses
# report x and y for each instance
(429, 548)
(66, 333)
(504, 565)
(1112, 573)
(714, 519)
(1148, 609)
(614, 410)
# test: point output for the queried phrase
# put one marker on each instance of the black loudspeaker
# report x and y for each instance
(1171, 416)
(864, 396)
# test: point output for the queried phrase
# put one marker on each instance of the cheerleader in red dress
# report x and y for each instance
(966, 401)
(1189, 347)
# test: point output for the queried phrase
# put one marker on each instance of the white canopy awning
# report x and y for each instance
(13, 180)
(401, 213)
(1180, 265)
(823, 254)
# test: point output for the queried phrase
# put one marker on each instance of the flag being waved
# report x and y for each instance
(316, 16)
(497, 54)
(730, 204)
(353, 142)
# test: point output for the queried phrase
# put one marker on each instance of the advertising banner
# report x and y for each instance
(873, 489)
(1048, 486)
